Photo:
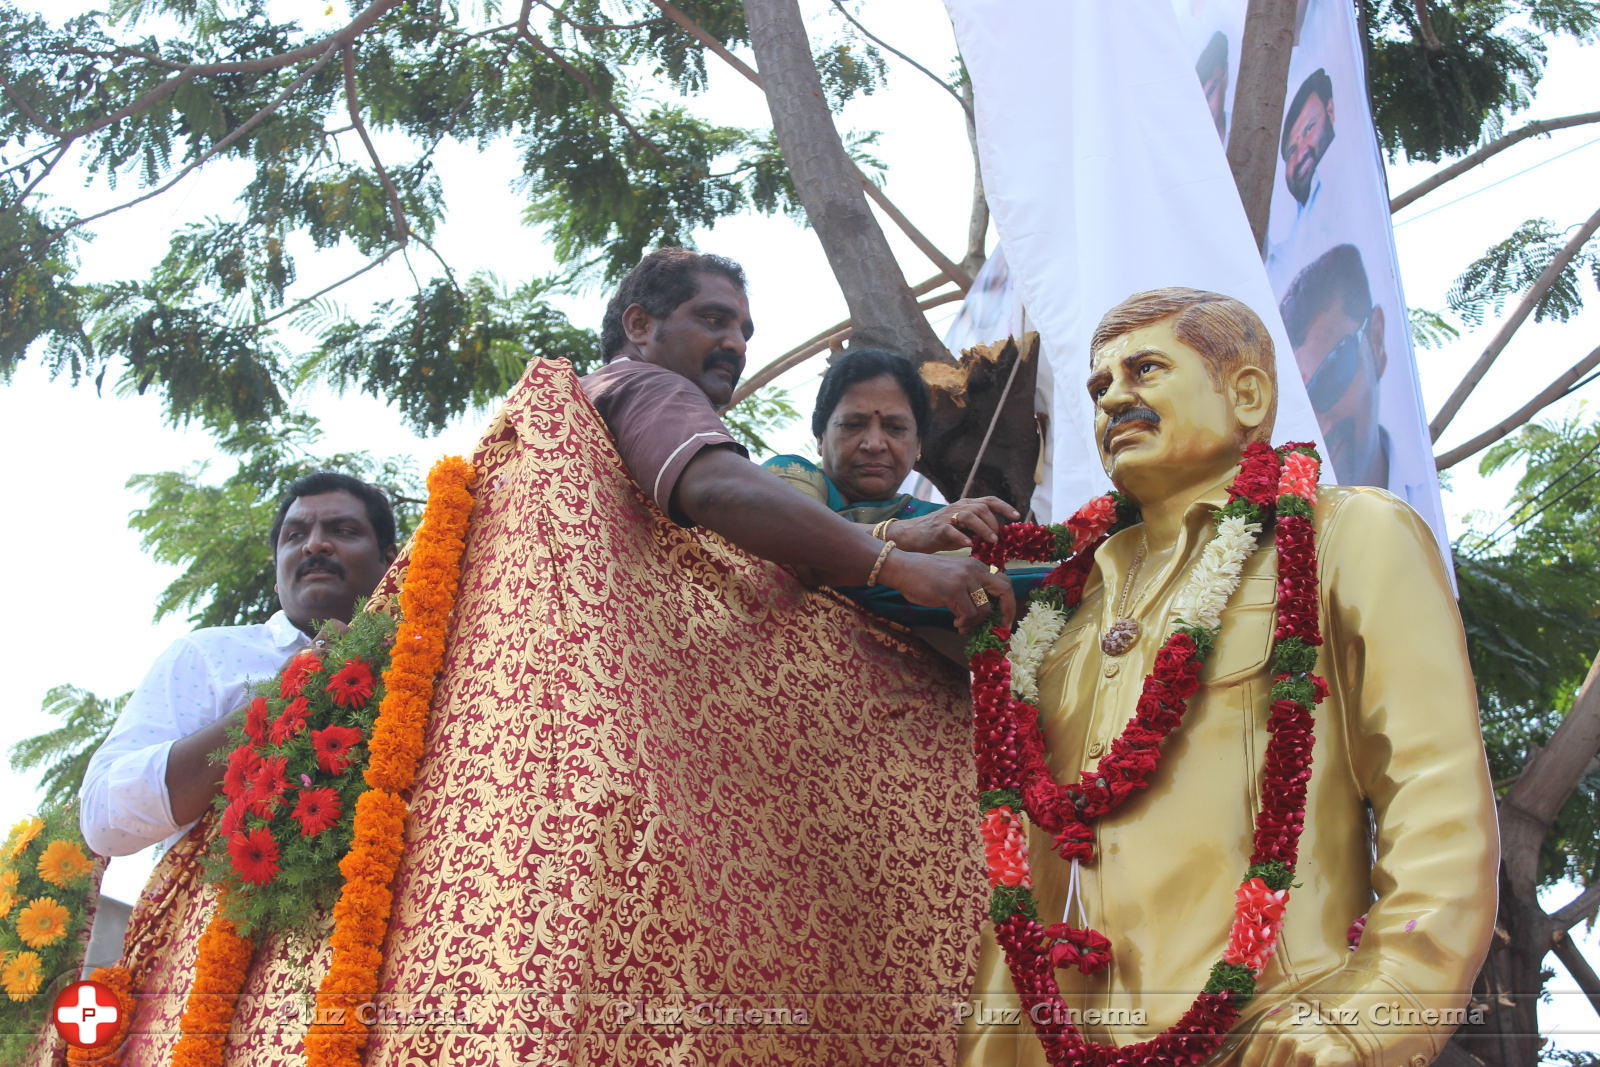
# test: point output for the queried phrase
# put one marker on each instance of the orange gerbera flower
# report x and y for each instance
(43, 922)
(64, 863)
(8, 891)
(22, 835)
(22, 975)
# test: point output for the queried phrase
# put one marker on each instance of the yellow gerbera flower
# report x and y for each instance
(43, 922)
(63, 863)
(8, 900)
(22, 975)
(22, 835)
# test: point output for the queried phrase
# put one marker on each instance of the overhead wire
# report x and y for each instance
(1495, 536)
(1499, 181)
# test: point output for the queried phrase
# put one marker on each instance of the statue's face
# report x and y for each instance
(1161, 422)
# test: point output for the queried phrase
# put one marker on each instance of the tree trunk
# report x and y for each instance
(1269, 30)
(1508, 986)
(968, 444)
(883, 311)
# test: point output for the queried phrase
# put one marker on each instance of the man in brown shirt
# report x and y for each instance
(674, 339)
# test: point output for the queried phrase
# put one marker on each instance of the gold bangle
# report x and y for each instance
(881, 531)
(883, 554)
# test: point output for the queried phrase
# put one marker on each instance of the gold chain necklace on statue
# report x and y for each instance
(1124, 633)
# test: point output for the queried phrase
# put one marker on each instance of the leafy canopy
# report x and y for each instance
(1530, 601)
(593, 95)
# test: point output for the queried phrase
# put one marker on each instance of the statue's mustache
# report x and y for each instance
(1130, 415)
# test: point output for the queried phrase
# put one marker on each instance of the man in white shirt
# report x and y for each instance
(333, 538)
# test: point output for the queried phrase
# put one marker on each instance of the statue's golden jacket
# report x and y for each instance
(1400, 816)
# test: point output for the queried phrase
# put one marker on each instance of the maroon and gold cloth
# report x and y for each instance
(674, 809)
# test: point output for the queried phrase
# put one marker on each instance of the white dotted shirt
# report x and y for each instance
(199, 679)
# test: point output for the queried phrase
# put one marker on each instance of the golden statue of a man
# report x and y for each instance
(1399, 817)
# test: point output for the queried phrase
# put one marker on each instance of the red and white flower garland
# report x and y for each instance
(1013, 777)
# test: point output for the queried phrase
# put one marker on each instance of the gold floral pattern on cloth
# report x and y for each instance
(674, 808)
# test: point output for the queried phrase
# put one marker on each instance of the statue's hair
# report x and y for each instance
(1224, 331)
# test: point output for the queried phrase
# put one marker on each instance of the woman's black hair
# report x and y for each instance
(862, 365)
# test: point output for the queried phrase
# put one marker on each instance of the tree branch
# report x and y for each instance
(925, 246)
(233, 135)
(402, 227)
(37, 178)
(595, 27)
(892, 50)
(325, 290)
(1547, 396)
(1571, 956)
(449, 274)
(594, 91)
(324, 47)
(839, 332)
(1548, 778)
(1430, 40)
(978, 216)
(27, 109)
(1578, 909)
(1493, 148)
(1546, 279)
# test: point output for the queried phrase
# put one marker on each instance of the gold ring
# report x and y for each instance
(979, 597)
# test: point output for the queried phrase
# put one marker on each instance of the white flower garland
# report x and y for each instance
(1035, 635)
(1216, 575)
(1200, 602)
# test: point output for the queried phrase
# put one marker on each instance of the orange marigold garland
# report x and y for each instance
(220, 971)
(120, 981)
(361, 917)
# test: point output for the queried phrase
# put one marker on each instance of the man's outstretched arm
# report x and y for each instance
(755, 510)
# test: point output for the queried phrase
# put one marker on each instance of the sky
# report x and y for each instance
(83, 590)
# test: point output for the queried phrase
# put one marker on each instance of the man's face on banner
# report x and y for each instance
(1310, 133)
(1341, 360)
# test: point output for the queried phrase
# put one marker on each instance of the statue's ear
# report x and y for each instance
(1252, 390)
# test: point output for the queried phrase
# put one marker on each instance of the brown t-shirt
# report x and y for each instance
(661, 420)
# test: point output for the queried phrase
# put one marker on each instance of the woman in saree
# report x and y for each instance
(872, 413)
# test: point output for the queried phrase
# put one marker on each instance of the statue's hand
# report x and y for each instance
(1280, 1042)
(953, 526)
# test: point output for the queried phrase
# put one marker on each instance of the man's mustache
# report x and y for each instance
(320, 563)
(730, 358)
(1130, 415)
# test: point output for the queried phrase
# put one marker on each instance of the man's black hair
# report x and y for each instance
(862, 365)
(1335, 279)
(379, 513)
(1213, 58)
(662, 280)
(1319, 84)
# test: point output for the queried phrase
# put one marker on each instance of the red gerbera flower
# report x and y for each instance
(290, 721)
(233, 818)
(301, 668)
(267, 785)
(255, 855)
(352, 686)
(242, 763)
(333, 745)
(255, 720)
(317, 809)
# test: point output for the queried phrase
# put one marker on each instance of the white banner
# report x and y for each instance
(1105, 176)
